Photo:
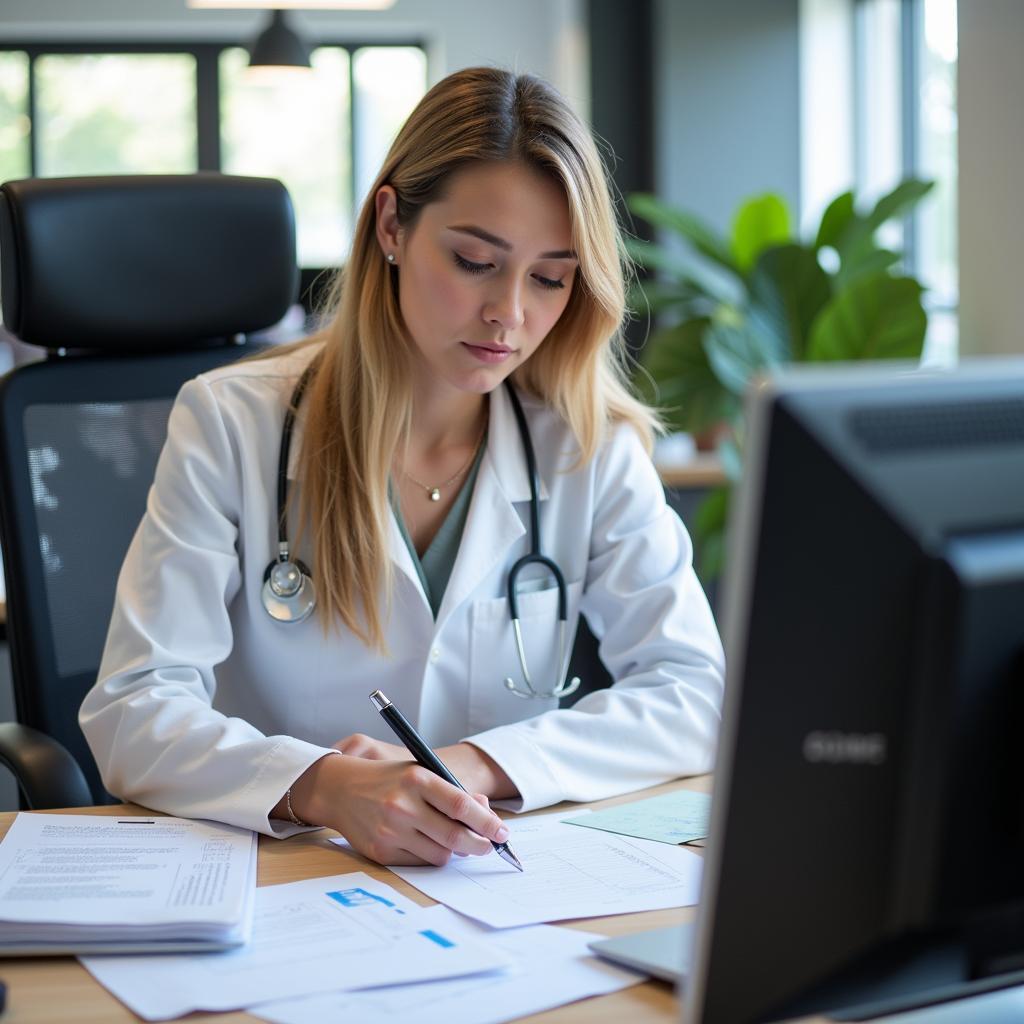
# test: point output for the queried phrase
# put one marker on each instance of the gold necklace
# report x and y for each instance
(434, 493)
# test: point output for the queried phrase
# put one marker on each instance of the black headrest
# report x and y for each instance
(142, 262)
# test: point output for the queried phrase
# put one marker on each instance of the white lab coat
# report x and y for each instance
(206, 707)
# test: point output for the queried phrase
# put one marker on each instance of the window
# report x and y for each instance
(295, 126)
(15, 161)
(173, 108)
(906, 124)
(115, 113)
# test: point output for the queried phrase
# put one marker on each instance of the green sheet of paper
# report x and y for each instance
(678, 817)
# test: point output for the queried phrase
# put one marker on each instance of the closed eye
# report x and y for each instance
(469, 266)
(547, 282)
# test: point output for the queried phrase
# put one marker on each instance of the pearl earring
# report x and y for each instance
(390, 258)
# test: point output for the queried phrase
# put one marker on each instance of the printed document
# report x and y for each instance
(318, 935)
(569, 872)
(679, 817)
(81, 882)
(550, 967)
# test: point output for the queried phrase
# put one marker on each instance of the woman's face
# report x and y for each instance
(484, 273)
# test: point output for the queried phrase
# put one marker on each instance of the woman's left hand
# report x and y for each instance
(360, 745)
(470, 765)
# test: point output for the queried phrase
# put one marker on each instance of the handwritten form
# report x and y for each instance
(549, 967)
(679, 817)
(570, 873)
(318, 935)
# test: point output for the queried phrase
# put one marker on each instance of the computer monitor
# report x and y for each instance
(867, 850)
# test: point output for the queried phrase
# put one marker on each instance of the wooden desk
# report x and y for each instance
(703, 470)
(58, 989)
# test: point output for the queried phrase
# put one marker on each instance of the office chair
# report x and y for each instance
(133, 285)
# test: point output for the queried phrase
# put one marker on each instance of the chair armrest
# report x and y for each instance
(47, 774)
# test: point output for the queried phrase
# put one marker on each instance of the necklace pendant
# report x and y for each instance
(435, 494)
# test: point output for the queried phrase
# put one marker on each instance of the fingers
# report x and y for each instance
(356, 745)
(451, 834)
(366, 747)
(459, 806)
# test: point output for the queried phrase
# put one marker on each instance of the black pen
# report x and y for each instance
(428, 759)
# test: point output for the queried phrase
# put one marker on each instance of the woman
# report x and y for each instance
(486, 254)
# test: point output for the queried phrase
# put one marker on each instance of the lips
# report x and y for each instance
(489, 346)
(488, 352)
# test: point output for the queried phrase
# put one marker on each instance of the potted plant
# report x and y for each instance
(757, 300)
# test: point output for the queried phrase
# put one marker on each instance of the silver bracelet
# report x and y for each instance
(293, 817)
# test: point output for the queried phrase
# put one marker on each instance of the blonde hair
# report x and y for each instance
(359, 400)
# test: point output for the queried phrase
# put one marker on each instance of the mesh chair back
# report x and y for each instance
(79, 441)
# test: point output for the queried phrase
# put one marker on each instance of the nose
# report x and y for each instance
(504, 307)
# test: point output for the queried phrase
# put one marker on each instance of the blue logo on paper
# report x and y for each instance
(439, 939)
(361, 898)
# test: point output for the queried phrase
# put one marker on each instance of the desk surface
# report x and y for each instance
(58, 989)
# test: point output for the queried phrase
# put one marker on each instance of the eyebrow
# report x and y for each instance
(486, 236)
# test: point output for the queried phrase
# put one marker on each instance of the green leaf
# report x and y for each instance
(866, 260)
(788, 289)
(652, 256)
(709, 532)
(855, 241)
(835, 220)
(653, 296)
(739, 350)
(905, 195)
(760, 222)
(655, 257)
(875, 317)
(684, 386)
(694, 230)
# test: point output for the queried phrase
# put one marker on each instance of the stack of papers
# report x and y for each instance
(72, 883)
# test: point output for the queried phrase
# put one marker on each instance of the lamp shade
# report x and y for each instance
(278, 46)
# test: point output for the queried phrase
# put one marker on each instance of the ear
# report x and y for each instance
(389, 232)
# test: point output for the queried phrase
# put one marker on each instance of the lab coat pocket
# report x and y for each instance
(494, 656)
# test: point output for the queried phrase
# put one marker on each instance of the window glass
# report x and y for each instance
(294, 125)
(879, 106)
(937, 144)
(389, 82)
(14, 122)
(116, 113)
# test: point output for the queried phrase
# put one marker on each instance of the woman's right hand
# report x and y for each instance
(395, 812)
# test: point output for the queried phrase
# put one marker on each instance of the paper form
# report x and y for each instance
(679, 817)
(321, 934)
(550, 966)
(569, 873)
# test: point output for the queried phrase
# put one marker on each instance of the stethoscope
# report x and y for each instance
(289, 595)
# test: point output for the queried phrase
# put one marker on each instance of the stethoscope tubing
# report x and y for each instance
(535, 556)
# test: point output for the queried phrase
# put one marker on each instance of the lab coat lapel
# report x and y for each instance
(493, 525)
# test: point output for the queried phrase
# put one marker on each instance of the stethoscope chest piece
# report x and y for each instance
(288, 592)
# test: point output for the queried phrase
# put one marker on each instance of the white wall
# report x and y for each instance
(727, 121)
(545, 37)
(991, 139)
